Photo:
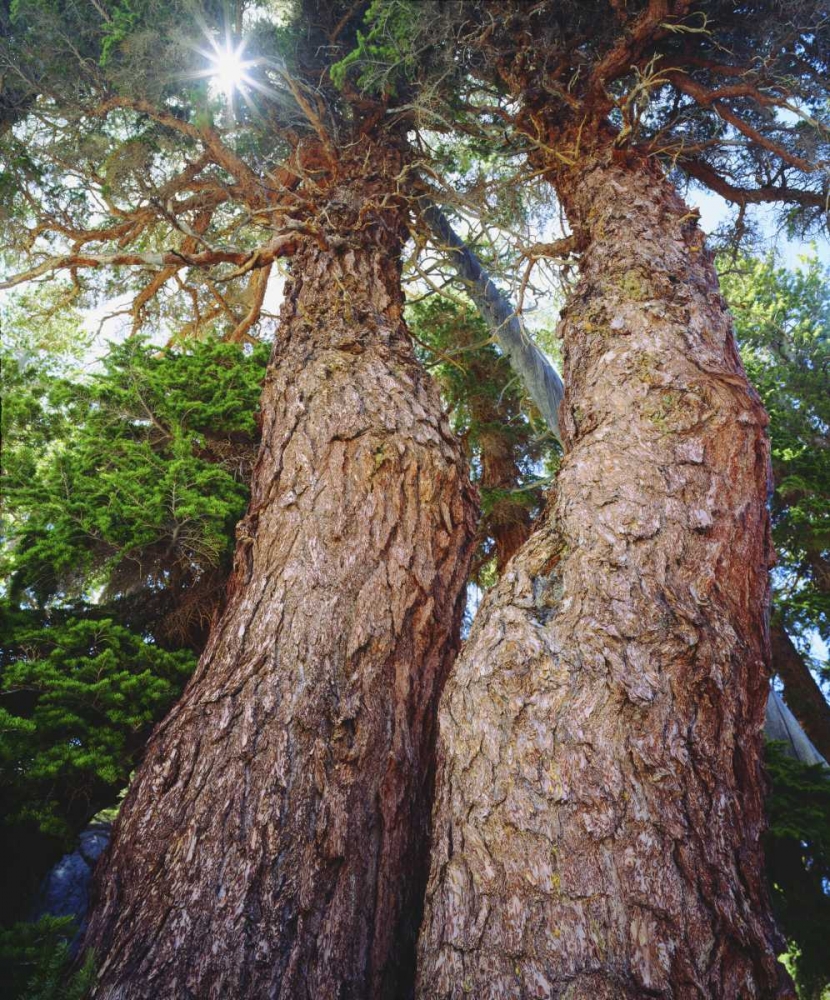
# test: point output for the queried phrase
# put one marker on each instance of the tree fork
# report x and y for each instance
(273, 843)
(600, 792)
(808, 705)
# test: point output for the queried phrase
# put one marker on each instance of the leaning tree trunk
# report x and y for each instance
(801, 692)
(600, 791)
(273, 842)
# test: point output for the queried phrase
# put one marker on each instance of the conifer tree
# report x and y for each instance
(121, 492)
(274, 838)
(600, 799)
(600, 794)
(509, 447)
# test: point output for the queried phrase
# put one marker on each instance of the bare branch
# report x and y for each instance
(257, 286)
(710, 178)
(224, 157)
(246, 260)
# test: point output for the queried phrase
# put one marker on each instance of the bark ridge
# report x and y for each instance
(600, 793)
(274, 841)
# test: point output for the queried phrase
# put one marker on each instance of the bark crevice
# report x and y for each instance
(616, 676)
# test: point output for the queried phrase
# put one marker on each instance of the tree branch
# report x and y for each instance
(246, 260)
(222, 155)
(648, 28)
(714, 98)
(781, 725)
(257, 287)
(710, 178)
(803, 695)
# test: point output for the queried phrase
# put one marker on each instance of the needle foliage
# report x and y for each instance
(122, 492)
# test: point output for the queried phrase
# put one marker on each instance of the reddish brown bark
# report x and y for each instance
(600, 794)
(508, 521)
(273, 842)
(801, 693)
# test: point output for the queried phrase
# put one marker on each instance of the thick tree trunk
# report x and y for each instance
(273, 844)
(600, 792)
(545, 385)
(801, 693)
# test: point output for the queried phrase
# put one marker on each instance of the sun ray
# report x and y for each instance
(229, 68)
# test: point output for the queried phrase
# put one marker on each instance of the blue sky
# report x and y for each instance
(714, 211)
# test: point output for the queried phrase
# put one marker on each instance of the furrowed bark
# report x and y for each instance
(807, 703)
(600, 793)
(810, 712)
(545, 385)
(273, 843)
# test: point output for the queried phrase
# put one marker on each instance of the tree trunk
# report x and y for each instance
(508, 521)
(801, 693)
(780, 725)
(600, 792)
(273, 843)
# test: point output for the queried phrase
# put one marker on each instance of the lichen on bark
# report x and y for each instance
(600, 793)
(273, 843)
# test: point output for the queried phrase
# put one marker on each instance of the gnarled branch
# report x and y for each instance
(245, 260)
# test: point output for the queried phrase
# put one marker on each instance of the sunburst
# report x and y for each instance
(228, 68)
